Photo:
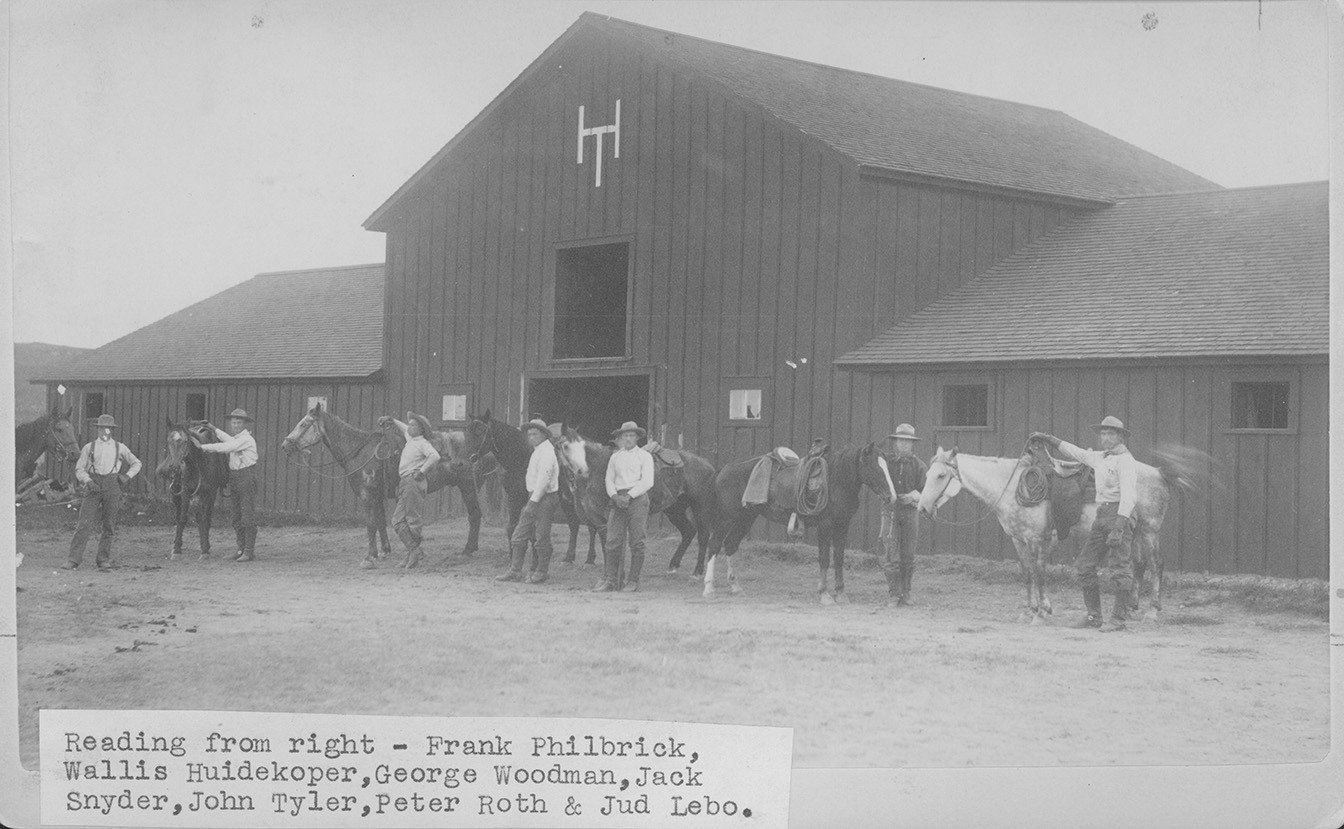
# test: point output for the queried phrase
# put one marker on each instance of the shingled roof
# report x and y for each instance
(1226, 273)
(892, 126)
(322, 323)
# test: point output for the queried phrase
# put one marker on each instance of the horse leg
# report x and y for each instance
(384, 544)
(1038, 566)
(472, 502)
(180, 519)
(702, 533)
(592, 546)
(1024, 560)
(1150, 559)
(677, 515)
(725, 542)
(205, 516)
(839, 536)
(824, 561)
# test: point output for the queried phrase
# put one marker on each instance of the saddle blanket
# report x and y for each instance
(758, 485)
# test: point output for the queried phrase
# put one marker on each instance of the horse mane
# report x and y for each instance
(1185, 468)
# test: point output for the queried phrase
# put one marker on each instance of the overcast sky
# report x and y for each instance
(162, 152)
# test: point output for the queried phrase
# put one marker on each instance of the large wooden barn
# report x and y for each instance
(717, 242)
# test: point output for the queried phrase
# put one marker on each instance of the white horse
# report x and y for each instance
(994, 482)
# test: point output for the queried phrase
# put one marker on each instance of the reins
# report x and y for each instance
(376, 456)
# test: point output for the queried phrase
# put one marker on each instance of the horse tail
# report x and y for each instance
(1185, 468)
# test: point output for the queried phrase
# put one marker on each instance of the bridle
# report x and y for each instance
(951, 463)
(54, 443)
(315, 423)
(488, 445)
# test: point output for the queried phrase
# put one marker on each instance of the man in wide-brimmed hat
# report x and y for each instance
(900, 519)
(534, 523)
(418, 457)
(1112, 538)
(105, 465)
(241, 447)
(629, 478)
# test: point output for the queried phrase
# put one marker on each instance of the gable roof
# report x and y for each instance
(1224, 273)
(321, 323)
(892, 126)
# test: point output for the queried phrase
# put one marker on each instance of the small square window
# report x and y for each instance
(93, 405)
(744, 404)
(1260, 405)
(454, 407)
(315, 400)
(966, 405)
(195, 406)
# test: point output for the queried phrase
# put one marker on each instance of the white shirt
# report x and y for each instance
(418, 453)
(543, 471)
(241, 448)
(1117, 476)
(104, 456)
(630, 469)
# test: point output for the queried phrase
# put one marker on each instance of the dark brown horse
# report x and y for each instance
(369, 460)
(485, 435)
(52, 433)
(675, 491)
(192, 475)
(848, 471)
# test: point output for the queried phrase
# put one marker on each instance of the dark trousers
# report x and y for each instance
(243, 485)
(1116, 561)
(99, 509)
(896, 539)
(629, 524)
(534, 524)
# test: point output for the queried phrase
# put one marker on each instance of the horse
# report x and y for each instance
(192, 475)
(368, 459)
(485, 435)
(575, 516)
(994, 481)
(675, 490)
(849, 470)
(52, 433)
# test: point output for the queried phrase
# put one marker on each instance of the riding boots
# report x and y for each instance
(1119, 613)
(907, 574)
(636, 564)
(611, 573)
(1091, 598)
(517, 557)
(248, 549)
(241, 534)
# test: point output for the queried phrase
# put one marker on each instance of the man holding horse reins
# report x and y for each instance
(630, 476)
(105, 465)
(534, 522)
(418, 457)
(899, 530)
(1112, 538)
(241, 448)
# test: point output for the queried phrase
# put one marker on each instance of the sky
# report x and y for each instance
(162, 152)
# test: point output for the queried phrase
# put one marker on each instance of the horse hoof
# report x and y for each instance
(672, 571)
(827, 599)
(1036, 619)
(734, 589)
(1150, 615)
(710, 592)
(366, 564)
(841, 598)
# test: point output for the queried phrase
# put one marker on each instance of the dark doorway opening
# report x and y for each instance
(591, 288)
(593, 405)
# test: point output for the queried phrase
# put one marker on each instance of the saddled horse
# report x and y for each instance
(485, 435)
(192, 475)
(848, 471)
(994, 481)
(368, 459)
(52, 433)
(675, 491)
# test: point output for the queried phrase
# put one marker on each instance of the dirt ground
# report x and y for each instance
(953, 680)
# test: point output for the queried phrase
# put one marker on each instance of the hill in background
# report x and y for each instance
(32, 360)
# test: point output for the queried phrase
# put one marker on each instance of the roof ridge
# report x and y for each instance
(1224, 190)
(322, 270)
(888, 78)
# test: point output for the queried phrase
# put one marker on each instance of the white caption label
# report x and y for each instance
(226, 769)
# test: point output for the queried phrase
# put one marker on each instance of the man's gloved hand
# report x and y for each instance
(124, 479)
(419, 475)
(621, 500)
(1117, 534)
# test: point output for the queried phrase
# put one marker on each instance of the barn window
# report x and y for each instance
(93, 405)
(315, 400)
(744, 404)
(1260, 405)
(966, 405)
(195, 406)
(456, 403)
(591, 299)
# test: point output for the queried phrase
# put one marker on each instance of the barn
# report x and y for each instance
(744, 250)
(273, 345)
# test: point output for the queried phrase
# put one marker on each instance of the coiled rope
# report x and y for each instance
(813, 501)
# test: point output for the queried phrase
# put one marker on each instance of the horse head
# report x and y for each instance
(572, 452)
(177, 451)
(942, 482)
(60, 437)
(873, 472)
(477, 436)
(306, 434)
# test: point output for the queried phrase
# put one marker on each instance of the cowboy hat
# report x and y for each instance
(629, 426)
(425, 429)
(539, 425)
(905, 432)
(106, 420)
(1111, 422)
(241, 415)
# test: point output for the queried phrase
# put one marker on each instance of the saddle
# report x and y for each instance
(1070, 485)
(785, 481)
(664, 456)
